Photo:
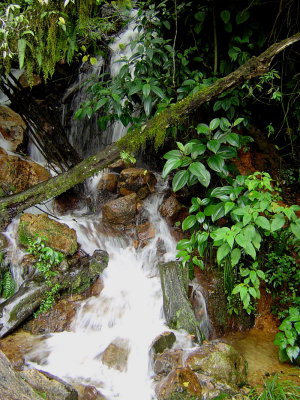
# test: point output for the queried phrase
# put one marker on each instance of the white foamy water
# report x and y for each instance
(128, 311)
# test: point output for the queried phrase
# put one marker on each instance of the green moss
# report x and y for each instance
(23, 236)
(183, 396)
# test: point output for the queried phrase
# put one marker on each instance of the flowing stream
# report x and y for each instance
(127, 313)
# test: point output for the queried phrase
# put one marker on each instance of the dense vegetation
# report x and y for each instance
(244, 223)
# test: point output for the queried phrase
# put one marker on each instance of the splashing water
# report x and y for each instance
(127, 313)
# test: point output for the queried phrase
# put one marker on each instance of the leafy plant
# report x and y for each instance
(288, 339)
(217, 143)
(249, 209)
(7, 282)
(47, 260)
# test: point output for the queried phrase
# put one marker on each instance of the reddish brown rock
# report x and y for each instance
(88, 392)
(58, 319)
(145, 232)
(17, 175)
(12, 127)
(118, 165)
(136, 180)
(116, 354)
(58, 236)
(180, 380)
(170, 209)
(120, 211)
(108, 182)
(165, 362)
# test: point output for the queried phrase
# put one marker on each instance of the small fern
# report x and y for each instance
(8, 285)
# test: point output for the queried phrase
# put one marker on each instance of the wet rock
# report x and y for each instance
(170, 209)
(136, 180)
(49, 386)
(108, 183)
(165, 362)
(120, 211)
(57, 235)
(118, 165)
(77, 276)
(12, 386)
(17, 175)
(88, 392)
(181, 384)
(67, 201)
(163, 341)
(12, 127)
(219, 360)
(58, 319)
(145, 232)
(3, 242)
(177, 308)
(116, 354)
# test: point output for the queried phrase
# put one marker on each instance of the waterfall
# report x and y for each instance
(85, 134)
(127, 313)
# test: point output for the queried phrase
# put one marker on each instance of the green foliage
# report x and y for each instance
(7, 283)
(128, 158)
(216, 144)
(249, 209)
(41, 33)
(277, 388)
(47, 260)
(288, 339)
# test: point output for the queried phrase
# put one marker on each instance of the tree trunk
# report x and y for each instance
(155, 129)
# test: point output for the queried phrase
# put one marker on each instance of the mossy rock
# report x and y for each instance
(56, 235)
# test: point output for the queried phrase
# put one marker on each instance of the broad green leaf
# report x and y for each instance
(173, 154)
(238, 121)
(147, 105)
(101, 103)
(241, 240)
(198, 150)
(200, 217)
(277, 222)
(256, 240)
(171, 164)
(233, 139)
(242, 16)
(180, 179)
(261, 274)
(183, 244)
(263, 222)
(295, 228)
(213, 145)
(202, 237)
(158, 91)
(214, 124)
(253, 293)
(249, 232)
(225, 16)
(243, 293)
(249, 249)
(199, 170)
(21, 51)
(202, 128)
(209, 210)
(85, 58)
(229, 205)
(227, 152)
(146, 89)
(134, 89)
(218, 212)
(216, 163)
(189, 222)
(235, 256)
(293, 352)
(240, 211)
(246, 219)
(222, 252)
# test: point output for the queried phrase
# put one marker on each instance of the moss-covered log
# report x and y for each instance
(155, 130)
(13, 205)
(177, 308)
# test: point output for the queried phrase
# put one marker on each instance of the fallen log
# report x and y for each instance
(155, 129)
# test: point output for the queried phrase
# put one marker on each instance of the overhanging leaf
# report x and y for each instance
(216, 163)
(180, 179)
(199, 170)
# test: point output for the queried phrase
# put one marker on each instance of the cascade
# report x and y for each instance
(85, 134)
(128, 312)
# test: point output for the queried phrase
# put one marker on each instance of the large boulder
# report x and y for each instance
(12, 128)
(57, 235)
(120, 211)
(17, 174)
(49, 386)
(12, 386)
(219, 360)
(180, 384)
(108, 182)
(136, 180)
(116, 354)
(170, 209)
(177, 308)
(162, 342)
